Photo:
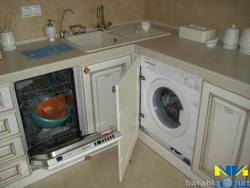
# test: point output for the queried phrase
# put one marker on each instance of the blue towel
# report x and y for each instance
(47, 51)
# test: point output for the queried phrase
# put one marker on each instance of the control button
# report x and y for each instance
(191, 81)
(99, 142)
(59, 158)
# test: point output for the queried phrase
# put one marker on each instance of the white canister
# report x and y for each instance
(231, 38)
(8, 41)
(245, 41)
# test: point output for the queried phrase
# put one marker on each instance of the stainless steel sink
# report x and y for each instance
(99, 40)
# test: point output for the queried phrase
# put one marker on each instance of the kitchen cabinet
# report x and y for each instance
(100, 104)
(13, 160)
(223, 133)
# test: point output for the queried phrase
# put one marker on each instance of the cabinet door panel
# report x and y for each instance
(105, 105)
(8, 125)
(13, 171)
(245, 152)
(100, 103)
(222, 147)
(127, 96)
(11, 149)
(5, 99)
(221, 133)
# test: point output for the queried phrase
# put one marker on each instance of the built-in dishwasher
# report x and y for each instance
(51, 147)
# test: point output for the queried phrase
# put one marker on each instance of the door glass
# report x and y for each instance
(167, 107)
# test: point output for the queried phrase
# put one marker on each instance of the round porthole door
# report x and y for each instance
(167, 107)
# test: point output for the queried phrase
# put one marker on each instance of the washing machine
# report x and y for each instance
(170, 104)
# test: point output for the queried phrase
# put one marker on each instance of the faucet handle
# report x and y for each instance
(97, 25)
(109, 23)
(63, 33)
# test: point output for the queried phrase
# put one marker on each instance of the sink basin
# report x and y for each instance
(99, 40)
(93, 41)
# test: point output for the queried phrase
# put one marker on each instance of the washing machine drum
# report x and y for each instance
(168, 107)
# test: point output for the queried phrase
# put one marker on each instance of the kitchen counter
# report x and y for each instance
(228, 69)
(16, 66)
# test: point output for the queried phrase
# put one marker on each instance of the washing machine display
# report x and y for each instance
(170, 104)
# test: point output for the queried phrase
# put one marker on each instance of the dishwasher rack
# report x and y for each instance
(41, 140)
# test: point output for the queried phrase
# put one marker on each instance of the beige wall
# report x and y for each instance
(85, 13)
(218, 14)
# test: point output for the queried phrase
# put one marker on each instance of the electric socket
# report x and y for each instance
(30, 11)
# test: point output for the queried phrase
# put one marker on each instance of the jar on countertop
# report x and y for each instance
(245, 41)
(231, 38)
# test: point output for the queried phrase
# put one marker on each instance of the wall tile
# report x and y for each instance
(218, 14)
(23, 32)
(85, 13)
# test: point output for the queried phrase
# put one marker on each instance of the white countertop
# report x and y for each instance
(228, 69)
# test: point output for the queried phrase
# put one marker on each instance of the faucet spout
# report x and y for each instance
(62, 33)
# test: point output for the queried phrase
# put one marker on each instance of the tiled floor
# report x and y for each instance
(146, 170)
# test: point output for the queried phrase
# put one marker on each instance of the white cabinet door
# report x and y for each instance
(13, 171)
(221, 134)
(10, 149)
(5, 99)
(98, 80)
(8, 125)
(127, 96)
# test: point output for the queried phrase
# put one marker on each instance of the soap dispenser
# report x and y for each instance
(50, 31)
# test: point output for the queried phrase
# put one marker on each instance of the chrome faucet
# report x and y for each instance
(101, 19)
(63, 33)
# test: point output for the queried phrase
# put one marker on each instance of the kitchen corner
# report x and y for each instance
(217, 65)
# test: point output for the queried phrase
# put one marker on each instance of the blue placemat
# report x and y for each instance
(47, 51)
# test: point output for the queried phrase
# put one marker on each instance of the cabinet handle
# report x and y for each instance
(113, 89)
(228, 110)
(141, 115)
(86, 70)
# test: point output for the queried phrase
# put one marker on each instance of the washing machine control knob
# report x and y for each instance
(191, 81)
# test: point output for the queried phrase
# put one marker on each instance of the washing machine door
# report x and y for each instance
(167, 107)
